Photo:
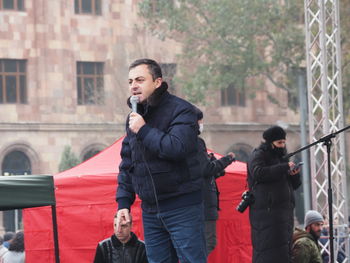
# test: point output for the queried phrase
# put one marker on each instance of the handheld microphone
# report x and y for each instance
(134, 100)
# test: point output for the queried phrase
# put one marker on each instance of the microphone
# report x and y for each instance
(134, 100)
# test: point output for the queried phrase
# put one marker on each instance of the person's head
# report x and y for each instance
(8, 236)
(314, 223)
(124, 234)
(276, 137)
(145, 76)
(1, 241)
(17, 243)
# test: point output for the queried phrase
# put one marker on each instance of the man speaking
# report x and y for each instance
(159, 164)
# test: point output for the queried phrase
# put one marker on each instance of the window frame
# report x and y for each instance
(238, 96)
(78, 7)
(97, 98)
(21, 93)
(16, 6)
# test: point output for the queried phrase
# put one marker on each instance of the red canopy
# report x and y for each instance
(85, 200)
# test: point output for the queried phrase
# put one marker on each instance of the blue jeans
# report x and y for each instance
(175, 235)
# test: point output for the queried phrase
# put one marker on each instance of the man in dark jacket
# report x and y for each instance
(272, 180)
(305, 243)
(160, 164)
(212, 169)
(122, 247)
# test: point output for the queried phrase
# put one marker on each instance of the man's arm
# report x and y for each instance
(125, 192)
(215, 167)
(267, 173)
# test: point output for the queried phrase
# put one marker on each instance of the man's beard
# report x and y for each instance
(316, 235)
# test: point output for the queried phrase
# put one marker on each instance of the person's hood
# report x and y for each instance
(299, 233)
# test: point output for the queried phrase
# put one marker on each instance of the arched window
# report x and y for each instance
(91, 150)
(14, 163)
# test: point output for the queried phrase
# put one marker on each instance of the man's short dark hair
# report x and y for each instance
(152, 65)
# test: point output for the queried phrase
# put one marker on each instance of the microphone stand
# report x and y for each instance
(326, 140)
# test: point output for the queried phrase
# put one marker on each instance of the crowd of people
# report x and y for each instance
(12, 248)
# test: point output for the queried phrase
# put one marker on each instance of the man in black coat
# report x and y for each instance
(160, 165)
(272, 180)
(122, 247)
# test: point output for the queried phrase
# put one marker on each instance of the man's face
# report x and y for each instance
(124, 234)
(315, 229)
(141, 82)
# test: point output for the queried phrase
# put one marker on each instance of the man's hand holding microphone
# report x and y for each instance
(135, 120)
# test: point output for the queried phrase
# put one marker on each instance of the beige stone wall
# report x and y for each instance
(52, 38)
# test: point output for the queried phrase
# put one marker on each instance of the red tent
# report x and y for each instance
(85, 201)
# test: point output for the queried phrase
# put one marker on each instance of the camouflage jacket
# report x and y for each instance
(305, 248)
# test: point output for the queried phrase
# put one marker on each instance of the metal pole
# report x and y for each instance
(55, 234)
(303, 135)
(328, 143)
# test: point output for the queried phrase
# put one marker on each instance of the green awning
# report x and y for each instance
(24, 191)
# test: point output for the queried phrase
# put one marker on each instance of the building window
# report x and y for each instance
(87, 7)
(13, 81)
(12, 5)
(168, 72)
(232, 96)
(90, 83)
(16, 163)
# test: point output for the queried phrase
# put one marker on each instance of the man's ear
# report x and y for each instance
(158, 82)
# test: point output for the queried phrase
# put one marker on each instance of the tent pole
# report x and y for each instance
(55, 233)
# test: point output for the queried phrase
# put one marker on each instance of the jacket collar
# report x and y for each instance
(157, 95)
(132, 241)
(299, 233)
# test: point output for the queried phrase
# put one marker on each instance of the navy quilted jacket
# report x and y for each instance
(160, 160)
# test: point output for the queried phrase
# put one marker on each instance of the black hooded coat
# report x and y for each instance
(272, 213)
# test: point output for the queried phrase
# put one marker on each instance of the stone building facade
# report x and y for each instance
(63, 82)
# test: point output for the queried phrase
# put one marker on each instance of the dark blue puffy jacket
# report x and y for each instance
(165, 147)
